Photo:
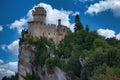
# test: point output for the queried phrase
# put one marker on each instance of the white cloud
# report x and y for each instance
(11, 65)
(52, 17)
(4, 72)
(118, 36)
(8, 69)
(3, 47)
(72, 27)
(12, 48)
(54, 14)
(107, 33)
(1, 28)
(19, 24)
(1, 61)
(113, 5)
(76, 13)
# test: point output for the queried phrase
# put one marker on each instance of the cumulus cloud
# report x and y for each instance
(107, 33)
(1, 28)
(19, 24)
(3, 47)
(52, 17)
(11, 65)
(8, 69)
(12, 48)
(76, 13)
(118, 36)
(54, 14)
(4, 72)
(1, 61)
(113, 5)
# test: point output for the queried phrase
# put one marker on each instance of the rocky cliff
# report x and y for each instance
(26, 57)
(28, 65)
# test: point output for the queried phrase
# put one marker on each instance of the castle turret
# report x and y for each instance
(39, 14)
(59, 22)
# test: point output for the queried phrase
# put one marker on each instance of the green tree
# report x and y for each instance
(100, 43)
(78, 24)
(87, 28)
(97, 58)
(5, 78)
(13, 77)
(112, 41)
(74, 65)
(109, 75)
(32, 76)
(51, 63)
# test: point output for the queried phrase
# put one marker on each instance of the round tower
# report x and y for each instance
(39, 14)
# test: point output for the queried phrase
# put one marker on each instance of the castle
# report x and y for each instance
(38, 26)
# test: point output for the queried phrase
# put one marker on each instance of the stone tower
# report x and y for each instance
(39, 14)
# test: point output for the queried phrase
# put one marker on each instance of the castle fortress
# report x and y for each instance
(38, 26)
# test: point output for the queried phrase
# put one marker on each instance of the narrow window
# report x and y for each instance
(63, 30)
(30, 33)
(48, 33)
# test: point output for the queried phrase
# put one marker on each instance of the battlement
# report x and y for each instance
(51, 26)
(39, 11)
(39, 14)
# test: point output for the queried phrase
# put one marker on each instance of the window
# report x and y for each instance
(48, 33)
(30, 33)
(63, 30)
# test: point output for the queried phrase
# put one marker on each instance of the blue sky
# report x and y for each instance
(101, 15)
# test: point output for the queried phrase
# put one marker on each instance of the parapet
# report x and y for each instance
(39, 11)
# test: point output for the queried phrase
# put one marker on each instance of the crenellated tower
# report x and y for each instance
(39, 14)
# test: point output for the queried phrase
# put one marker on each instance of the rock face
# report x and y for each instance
(26, 65)
(26, 57)
(57, 75)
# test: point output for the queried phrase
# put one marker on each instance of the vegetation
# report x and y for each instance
(32, 76)
(13, 77)
(83, 55)
(51, 63)
(100, 55)
(78, 24)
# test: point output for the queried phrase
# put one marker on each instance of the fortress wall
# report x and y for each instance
(51, 32)
(30, 28)
(36, 30)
